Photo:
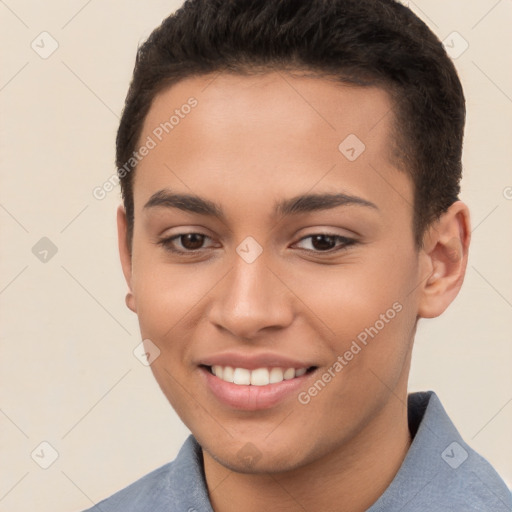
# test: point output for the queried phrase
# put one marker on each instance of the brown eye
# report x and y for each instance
(186, 243)
(192, 241)
(325, 242)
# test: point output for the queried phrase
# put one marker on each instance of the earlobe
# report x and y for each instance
(130, 302)
(445, 256)
(125, 256)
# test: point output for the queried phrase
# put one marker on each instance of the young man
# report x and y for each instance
(290, 174)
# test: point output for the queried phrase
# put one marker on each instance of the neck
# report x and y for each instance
(351, 478)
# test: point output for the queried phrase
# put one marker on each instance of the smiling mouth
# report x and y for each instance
(257, 377)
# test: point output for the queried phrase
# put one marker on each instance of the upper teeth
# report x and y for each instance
(258, 377)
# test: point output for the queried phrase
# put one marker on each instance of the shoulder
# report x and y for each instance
(472, 486)
(178, 485)
(441, 471)
(139, 495)
(465, 479)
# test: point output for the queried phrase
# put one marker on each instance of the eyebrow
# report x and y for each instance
(286, 207)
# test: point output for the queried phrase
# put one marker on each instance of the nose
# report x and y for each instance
(252, 299)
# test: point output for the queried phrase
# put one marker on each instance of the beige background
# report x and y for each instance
(67, 372)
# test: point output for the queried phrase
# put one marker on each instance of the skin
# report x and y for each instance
(250, 142)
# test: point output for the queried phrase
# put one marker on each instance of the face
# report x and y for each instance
(273, 244)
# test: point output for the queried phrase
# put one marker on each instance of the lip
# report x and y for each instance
(254, 361)
(253, 398)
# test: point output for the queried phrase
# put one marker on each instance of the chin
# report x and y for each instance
(257, 456)
(246, 461)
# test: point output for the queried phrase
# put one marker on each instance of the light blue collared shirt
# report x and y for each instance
(440, 473)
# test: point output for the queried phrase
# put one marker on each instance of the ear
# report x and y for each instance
(125, 255)
(445, 257)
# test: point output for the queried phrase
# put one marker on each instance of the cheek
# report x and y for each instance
(365, 313)
(344, 300)
(167, 294)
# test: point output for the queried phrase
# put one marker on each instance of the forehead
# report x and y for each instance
(274, 134)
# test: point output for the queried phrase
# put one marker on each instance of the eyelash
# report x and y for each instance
(166, 243)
